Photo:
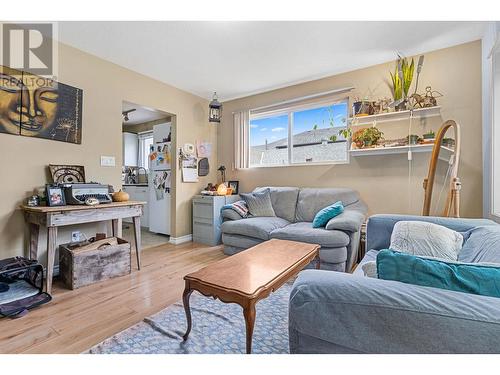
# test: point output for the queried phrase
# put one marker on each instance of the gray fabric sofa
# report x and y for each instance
(334, 312)
(295, 209)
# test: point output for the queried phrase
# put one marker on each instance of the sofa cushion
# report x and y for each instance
(259, 203)
(229, 214)
(333, 255)
(304, 232)
(370, 256)
(257, 227)
(426, 239)
(311, 200)
(481, 244)
(284, 201)
(349, 221)
(236, 240)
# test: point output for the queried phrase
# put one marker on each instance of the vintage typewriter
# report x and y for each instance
(79, 192)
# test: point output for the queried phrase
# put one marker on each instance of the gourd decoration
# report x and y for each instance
(121, 196)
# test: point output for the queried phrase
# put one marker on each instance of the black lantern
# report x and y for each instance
(214, 110)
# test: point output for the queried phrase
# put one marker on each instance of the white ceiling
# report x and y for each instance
(141, 114)
(243, 58)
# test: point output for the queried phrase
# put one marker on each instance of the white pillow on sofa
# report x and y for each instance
(426, 239)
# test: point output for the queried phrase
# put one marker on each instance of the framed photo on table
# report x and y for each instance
(235, 186)
(55, 196)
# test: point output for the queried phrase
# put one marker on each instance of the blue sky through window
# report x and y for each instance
(276, 128)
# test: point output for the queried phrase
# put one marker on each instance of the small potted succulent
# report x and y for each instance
(429, 135)
(412, 139)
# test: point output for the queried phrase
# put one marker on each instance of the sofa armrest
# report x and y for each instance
(229, 214)
(379, 229)
(362, 314)
(350, 220)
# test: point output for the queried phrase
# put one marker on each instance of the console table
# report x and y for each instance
(54, 217)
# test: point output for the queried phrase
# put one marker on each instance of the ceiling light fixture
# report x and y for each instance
(125, 114)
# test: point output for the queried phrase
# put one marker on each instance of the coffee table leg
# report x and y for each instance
(185, 301)
(249, 313)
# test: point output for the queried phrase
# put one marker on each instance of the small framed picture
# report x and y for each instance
(55, 196)
(234, 185)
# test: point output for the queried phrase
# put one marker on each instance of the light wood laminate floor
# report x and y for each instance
(76, 320)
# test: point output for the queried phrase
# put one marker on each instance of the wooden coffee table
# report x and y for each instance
(249, 276)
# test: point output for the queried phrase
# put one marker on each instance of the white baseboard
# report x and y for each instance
(182, 239)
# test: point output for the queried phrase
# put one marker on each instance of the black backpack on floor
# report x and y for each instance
(21, 286)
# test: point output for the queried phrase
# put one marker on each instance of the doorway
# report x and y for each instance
(147, 170)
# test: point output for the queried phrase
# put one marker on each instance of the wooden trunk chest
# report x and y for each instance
(83, 266)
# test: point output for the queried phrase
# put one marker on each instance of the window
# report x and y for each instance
(145, 143)
(299, 135)
(269, 140)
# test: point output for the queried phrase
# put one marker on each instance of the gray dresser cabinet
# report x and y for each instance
(207, 217)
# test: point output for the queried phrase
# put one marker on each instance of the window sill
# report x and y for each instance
(326, 163)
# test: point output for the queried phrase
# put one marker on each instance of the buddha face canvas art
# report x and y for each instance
(39, 107)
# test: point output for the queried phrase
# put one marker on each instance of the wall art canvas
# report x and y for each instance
(36, 106)
(67, 174)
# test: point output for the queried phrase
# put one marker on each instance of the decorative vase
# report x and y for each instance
(401, 106)
(356, 108)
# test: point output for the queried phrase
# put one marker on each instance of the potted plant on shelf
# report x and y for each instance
(362, 107)
(367, 137)
(401, 81)
(412, 139)
(429, 135)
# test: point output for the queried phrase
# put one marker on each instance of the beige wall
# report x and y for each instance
(23, 160)
(383, 180)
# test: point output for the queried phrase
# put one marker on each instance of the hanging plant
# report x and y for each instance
(367, 137)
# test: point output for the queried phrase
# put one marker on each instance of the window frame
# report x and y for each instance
(141, 137)
(289, 111)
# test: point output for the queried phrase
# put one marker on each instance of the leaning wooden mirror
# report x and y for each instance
(452, 183)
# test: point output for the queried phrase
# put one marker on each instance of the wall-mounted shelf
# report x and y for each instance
(395, 116)
(445, 153)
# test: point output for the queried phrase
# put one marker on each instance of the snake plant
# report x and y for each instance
(401, 82)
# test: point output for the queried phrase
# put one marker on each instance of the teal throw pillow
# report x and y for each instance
(327, 213)
(460, 277)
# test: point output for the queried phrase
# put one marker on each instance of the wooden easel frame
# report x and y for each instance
(452, 206)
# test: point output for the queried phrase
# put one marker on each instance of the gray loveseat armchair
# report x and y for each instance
(295, 209)
(334, 312)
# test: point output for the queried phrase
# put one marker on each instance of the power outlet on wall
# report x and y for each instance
(108, 161)
(76, 236)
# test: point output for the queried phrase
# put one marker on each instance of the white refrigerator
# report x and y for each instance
(160, 181)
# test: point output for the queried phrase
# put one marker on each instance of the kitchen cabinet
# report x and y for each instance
(130, 149)
(139, 193)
